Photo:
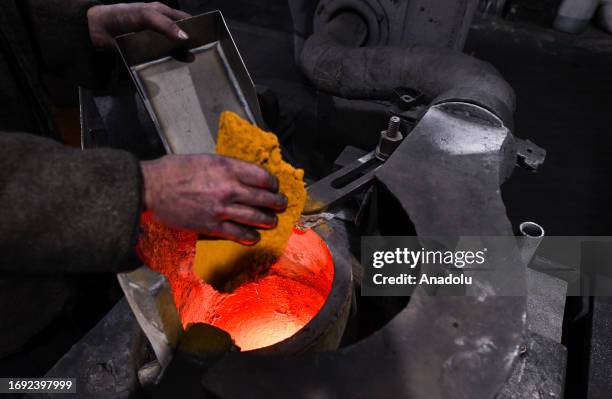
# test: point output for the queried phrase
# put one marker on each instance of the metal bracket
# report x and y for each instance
(354, 177)
(529, 155)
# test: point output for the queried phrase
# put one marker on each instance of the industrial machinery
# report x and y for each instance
(426, 140)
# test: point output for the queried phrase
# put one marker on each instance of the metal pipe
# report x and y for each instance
(532, 235)
(339, 66)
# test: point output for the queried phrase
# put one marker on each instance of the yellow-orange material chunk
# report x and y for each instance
(226, 264)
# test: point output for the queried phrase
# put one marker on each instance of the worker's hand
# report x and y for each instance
(214, 195)
(108, 21)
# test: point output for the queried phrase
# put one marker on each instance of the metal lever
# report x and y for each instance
(356, 176)
(353, 178)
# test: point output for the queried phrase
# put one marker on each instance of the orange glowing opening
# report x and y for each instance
(257, 314)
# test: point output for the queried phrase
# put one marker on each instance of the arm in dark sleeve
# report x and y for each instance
(64, 209)
(61, 37)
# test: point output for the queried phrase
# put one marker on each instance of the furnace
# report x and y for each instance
(257, 314)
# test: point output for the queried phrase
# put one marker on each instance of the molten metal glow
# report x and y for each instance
(257, 314)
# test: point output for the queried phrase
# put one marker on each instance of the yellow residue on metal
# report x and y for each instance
(226, 264)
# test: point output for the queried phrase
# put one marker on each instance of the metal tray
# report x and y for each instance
(186, 85)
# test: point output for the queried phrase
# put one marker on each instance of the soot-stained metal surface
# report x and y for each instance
(105, 362)
(539, 371)
(448, 171)
(435, 348)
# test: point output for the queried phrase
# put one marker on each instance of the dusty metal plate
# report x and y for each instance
(186, 85)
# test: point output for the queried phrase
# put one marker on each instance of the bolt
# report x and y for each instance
(393, 128)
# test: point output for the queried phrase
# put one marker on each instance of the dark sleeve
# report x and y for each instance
(61, 39)
(64, 209)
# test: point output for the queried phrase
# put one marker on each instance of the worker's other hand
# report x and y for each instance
(213, 195)
(108, 21)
